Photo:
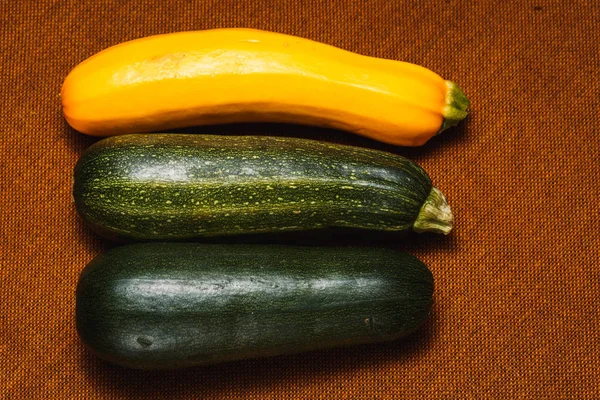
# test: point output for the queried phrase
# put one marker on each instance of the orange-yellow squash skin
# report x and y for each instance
(244, 75)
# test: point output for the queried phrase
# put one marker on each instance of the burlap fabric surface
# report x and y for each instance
(517, 282)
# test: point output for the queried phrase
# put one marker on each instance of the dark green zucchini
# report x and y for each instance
(176, 186)
(173, 305)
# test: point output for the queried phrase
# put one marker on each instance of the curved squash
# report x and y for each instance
(243, 75)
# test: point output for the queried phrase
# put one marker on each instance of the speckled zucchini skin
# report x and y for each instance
(183, 186)
(174, 305)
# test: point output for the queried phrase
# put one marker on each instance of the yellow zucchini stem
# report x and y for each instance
(456, 106)
(435, 215)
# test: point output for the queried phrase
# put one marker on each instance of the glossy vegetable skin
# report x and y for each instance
(176, 305)
(219, 76)
(176, 187)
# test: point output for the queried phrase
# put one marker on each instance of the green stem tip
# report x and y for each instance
(456, 106)
(435, 215)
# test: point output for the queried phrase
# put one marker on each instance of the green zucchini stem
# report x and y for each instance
(435, 215)
(456, 106)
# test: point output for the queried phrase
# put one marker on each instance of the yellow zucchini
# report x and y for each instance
(219, 76)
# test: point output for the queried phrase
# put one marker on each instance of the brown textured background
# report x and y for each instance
(518, 280)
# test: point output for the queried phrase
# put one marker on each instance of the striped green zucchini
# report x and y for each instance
(183, 186)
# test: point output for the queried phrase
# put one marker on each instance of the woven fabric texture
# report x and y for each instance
(517, 281)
